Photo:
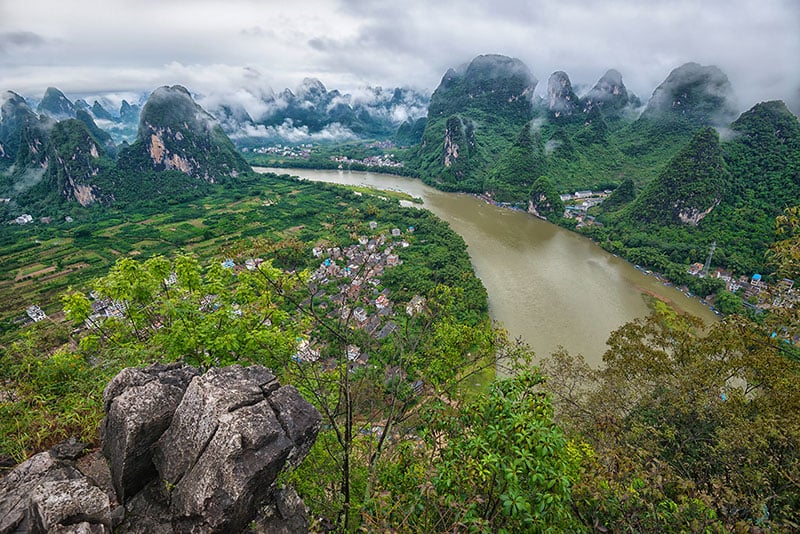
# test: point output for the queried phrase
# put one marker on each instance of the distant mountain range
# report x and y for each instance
(309, 113)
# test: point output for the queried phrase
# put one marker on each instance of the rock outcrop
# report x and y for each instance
(609, 94)
(139, 406)
(561, 99)
(181, 452)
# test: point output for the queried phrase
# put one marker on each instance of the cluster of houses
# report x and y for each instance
(26, 218)
(578, 203)
(103, 308)
(755, 292)
(383, 160)
(300, 151)
(346, 286)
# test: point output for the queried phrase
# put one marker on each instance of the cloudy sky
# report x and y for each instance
(246, 46)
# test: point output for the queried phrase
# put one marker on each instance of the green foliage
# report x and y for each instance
(517, 168)
(410, 132)
(728, 303)
(545, 200)
(49, 392)
(173, 125)
(509, 470)
(692, 184)
(205, 317)
(763, 165)
(103, 137)
(502, 466)
(481, 111)
(691, 431)
(621, 196)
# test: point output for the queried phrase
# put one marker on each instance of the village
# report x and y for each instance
(382, 160)
(346, 287)
(577, 204)
(302, 151)
(756, 293)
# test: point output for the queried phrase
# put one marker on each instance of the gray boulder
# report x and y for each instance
(231, 436)
(139, 406)
(63, 503)
(182, 452)
(49, 494)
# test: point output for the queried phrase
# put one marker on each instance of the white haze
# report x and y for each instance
(288, 132)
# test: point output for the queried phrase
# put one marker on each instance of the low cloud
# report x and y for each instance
(213, 48)
(551, 145)
(9, 41)
(288, 132)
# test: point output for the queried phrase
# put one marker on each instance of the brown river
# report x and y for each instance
(547, 285)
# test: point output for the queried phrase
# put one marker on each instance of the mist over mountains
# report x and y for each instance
(312, 113)
(308, 113)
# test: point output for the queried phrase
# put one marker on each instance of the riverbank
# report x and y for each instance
(658, 276)
(547, 285)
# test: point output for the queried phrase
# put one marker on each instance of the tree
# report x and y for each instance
(728, 303)
(497, 463)
(545, 199)
(175, 310)
(785, 254)
(703, 426)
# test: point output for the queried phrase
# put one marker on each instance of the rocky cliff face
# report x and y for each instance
(561, 99)
(609, 94)
(177, 134)
(181, 452)
(74, 159)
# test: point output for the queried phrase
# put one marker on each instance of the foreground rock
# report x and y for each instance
(186, 453)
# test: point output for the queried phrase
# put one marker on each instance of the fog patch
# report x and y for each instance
(726, 134)
(551, 145)
(536, 125)
(290, 133)
(26, 180)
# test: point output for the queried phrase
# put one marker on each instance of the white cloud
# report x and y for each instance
(287, 132)
(243, 47)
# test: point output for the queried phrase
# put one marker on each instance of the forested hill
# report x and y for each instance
(679, 185)
(44, 161)
(177, 134)
(474, 139)
(689, 187)
(729, 193)
(475, 114)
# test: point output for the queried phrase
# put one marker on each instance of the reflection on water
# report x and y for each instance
(549, 286)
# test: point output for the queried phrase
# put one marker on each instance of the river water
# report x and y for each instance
(547, 285)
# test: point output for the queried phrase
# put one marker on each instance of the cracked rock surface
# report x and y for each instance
(185, 453)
